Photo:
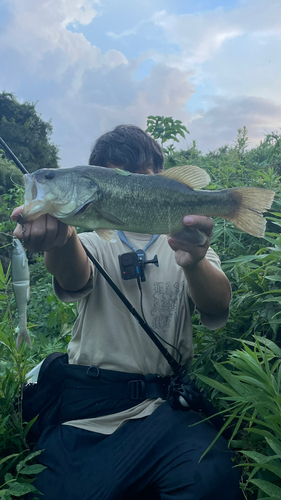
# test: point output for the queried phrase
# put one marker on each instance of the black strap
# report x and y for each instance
(66, 392)
(136, 388)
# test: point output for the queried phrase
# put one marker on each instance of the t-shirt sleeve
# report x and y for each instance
(70, 296)
(211, 321)
(213, 258)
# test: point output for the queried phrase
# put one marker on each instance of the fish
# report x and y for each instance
(105, 200)
(20, 282)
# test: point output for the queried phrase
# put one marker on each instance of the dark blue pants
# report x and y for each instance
(153, 458)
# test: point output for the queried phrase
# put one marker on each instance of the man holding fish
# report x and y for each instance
(111, 442)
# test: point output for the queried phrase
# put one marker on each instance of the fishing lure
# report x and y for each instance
(20, 282)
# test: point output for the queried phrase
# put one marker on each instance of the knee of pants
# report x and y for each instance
(212, 478)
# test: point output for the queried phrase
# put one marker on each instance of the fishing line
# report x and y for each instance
(14, 182)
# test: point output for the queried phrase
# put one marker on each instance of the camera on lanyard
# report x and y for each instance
(132, 264)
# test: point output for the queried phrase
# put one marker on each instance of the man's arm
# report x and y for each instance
(65, 257)
(209, 287)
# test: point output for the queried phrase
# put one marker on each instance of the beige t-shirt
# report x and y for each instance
(105, 334)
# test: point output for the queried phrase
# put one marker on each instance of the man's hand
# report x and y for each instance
(208, 286)
(65, 258)
(42, 234)
(188, 255)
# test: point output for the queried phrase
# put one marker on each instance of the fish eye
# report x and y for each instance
(49, 175)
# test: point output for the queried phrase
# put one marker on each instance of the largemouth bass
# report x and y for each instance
(102, 199)
(20, 281)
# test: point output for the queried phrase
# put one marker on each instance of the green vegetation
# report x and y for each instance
(166, 129)
(27, 134)
(239, 365)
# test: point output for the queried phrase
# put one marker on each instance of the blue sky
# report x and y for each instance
(92, 64)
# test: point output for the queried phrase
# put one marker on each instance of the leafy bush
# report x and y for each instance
(16, 474)
(251, 387)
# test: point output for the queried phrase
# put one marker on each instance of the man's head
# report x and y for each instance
(128, 147)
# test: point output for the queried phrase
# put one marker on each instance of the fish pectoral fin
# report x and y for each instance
(109, 217)
(106, 234)
(190, 236)
(191, 175)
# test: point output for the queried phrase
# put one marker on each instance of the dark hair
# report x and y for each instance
(127, 146)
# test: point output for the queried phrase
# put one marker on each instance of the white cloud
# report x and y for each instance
(131, 31)
(219, 124)
(108, 99)
(234, 54)
(221, 42)
(38, 31)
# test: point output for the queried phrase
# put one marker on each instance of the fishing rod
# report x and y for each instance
(184, 393)
(13, 156)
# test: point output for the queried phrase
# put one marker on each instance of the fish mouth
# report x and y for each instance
(39, 201)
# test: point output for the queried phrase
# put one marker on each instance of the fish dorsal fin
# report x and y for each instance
(191, 175)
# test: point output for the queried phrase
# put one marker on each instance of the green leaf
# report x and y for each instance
(122, 172)
(260, 458)
(217, 385)
(269, 498)
(21, 464)
(29, 425)
(274, 445)
(271, 345)
(33, 469)
(8, 458)
(230, 378)
(267, 487)
(253, 381)
(9, 477)
(19, 489)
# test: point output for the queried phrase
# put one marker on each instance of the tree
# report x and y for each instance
(166, 129)
(10, 175)
(27, 134)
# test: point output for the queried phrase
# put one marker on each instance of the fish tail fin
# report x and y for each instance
(23, 335)
(250, 204)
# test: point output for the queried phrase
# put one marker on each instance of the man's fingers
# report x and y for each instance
(56, 233)
(18, 232)
(51, 233)
(42, 234)
(204, 224)
(15, 213)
